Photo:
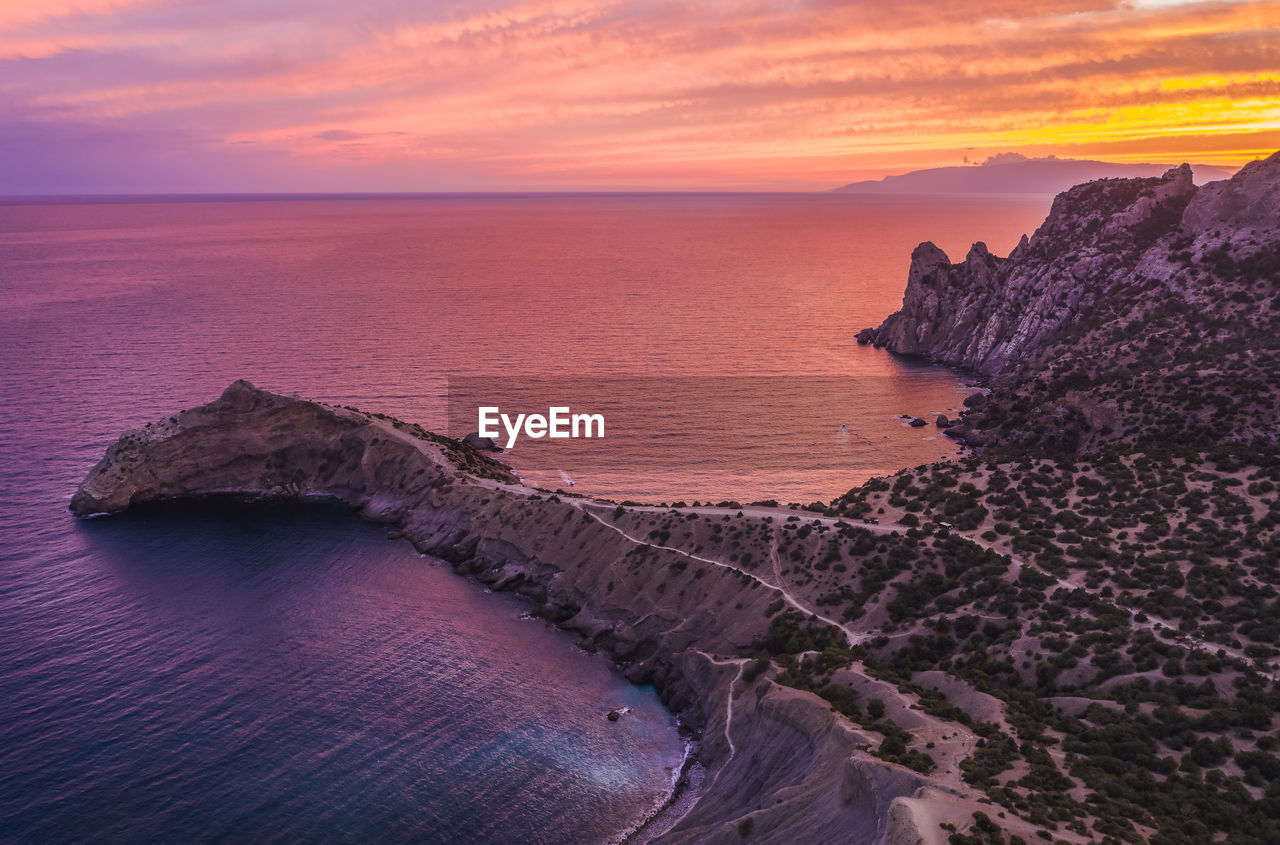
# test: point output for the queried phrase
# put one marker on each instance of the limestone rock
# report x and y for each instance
(481, 444)
(994, 315)
(791, 764)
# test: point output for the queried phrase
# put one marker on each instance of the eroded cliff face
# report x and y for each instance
(1000, 316)
(247, 440)
(775, 755)
(1126, 281)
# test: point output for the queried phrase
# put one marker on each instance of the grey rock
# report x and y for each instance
(997, 316)
(481, 444)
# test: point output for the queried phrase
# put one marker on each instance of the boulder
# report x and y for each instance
(962, 433)
(481, 444)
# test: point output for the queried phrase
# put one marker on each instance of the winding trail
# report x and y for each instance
(1017, 564)
(588, 506)
(853, 637)
(741, 663)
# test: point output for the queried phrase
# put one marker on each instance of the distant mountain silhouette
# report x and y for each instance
(1011, 173)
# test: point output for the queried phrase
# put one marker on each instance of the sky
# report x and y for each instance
(160, 96)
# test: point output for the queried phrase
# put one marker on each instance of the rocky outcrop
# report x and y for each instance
(481, 444)
(1126, 281)
(282, 448)
(778, 760)
(1245, 201)
(993, 314)
(997, 315)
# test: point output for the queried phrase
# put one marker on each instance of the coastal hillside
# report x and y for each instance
(975, 652)
(1070, 634)
(1126, 464)
(1011, 173)
(713, 605)
(1140, 311)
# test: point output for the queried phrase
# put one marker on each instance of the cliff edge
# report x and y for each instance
(1126, 278)
(781, 764)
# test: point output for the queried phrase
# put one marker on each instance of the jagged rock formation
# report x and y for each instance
(1125, 277)
(994, 314)
(778, 759)
(1129, 455)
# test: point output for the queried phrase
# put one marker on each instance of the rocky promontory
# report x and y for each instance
(998, 315)
(782, 764)
(1127, 461)
(1127, 279)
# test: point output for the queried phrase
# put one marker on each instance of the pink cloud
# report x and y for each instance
(575, 92)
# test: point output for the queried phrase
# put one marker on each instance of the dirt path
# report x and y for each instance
(1016, 565)
(853, 637)
(589, 506)
(741, 663)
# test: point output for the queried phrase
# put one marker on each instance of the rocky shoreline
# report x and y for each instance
(779, 761)
(867, 675)
(1129, 286)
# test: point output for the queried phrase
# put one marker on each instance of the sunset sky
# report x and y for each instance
(339, 95)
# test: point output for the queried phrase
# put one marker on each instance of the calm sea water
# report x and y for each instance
(297, 676)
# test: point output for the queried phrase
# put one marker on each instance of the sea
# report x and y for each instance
(291, 674)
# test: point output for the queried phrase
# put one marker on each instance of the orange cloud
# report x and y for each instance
(609, 93)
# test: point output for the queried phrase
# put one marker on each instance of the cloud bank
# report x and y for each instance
(270, 95)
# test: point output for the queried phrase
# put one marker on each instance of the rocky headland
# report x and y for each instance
(779, 761)
(1126, 454)
(1140, 310)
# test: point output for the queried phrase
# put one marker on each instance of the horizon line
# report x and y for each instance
(288, 195)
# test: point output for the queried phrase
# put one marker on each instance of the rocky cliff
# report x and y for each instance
(1125, 277)
(998, 315)
(781, 764)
